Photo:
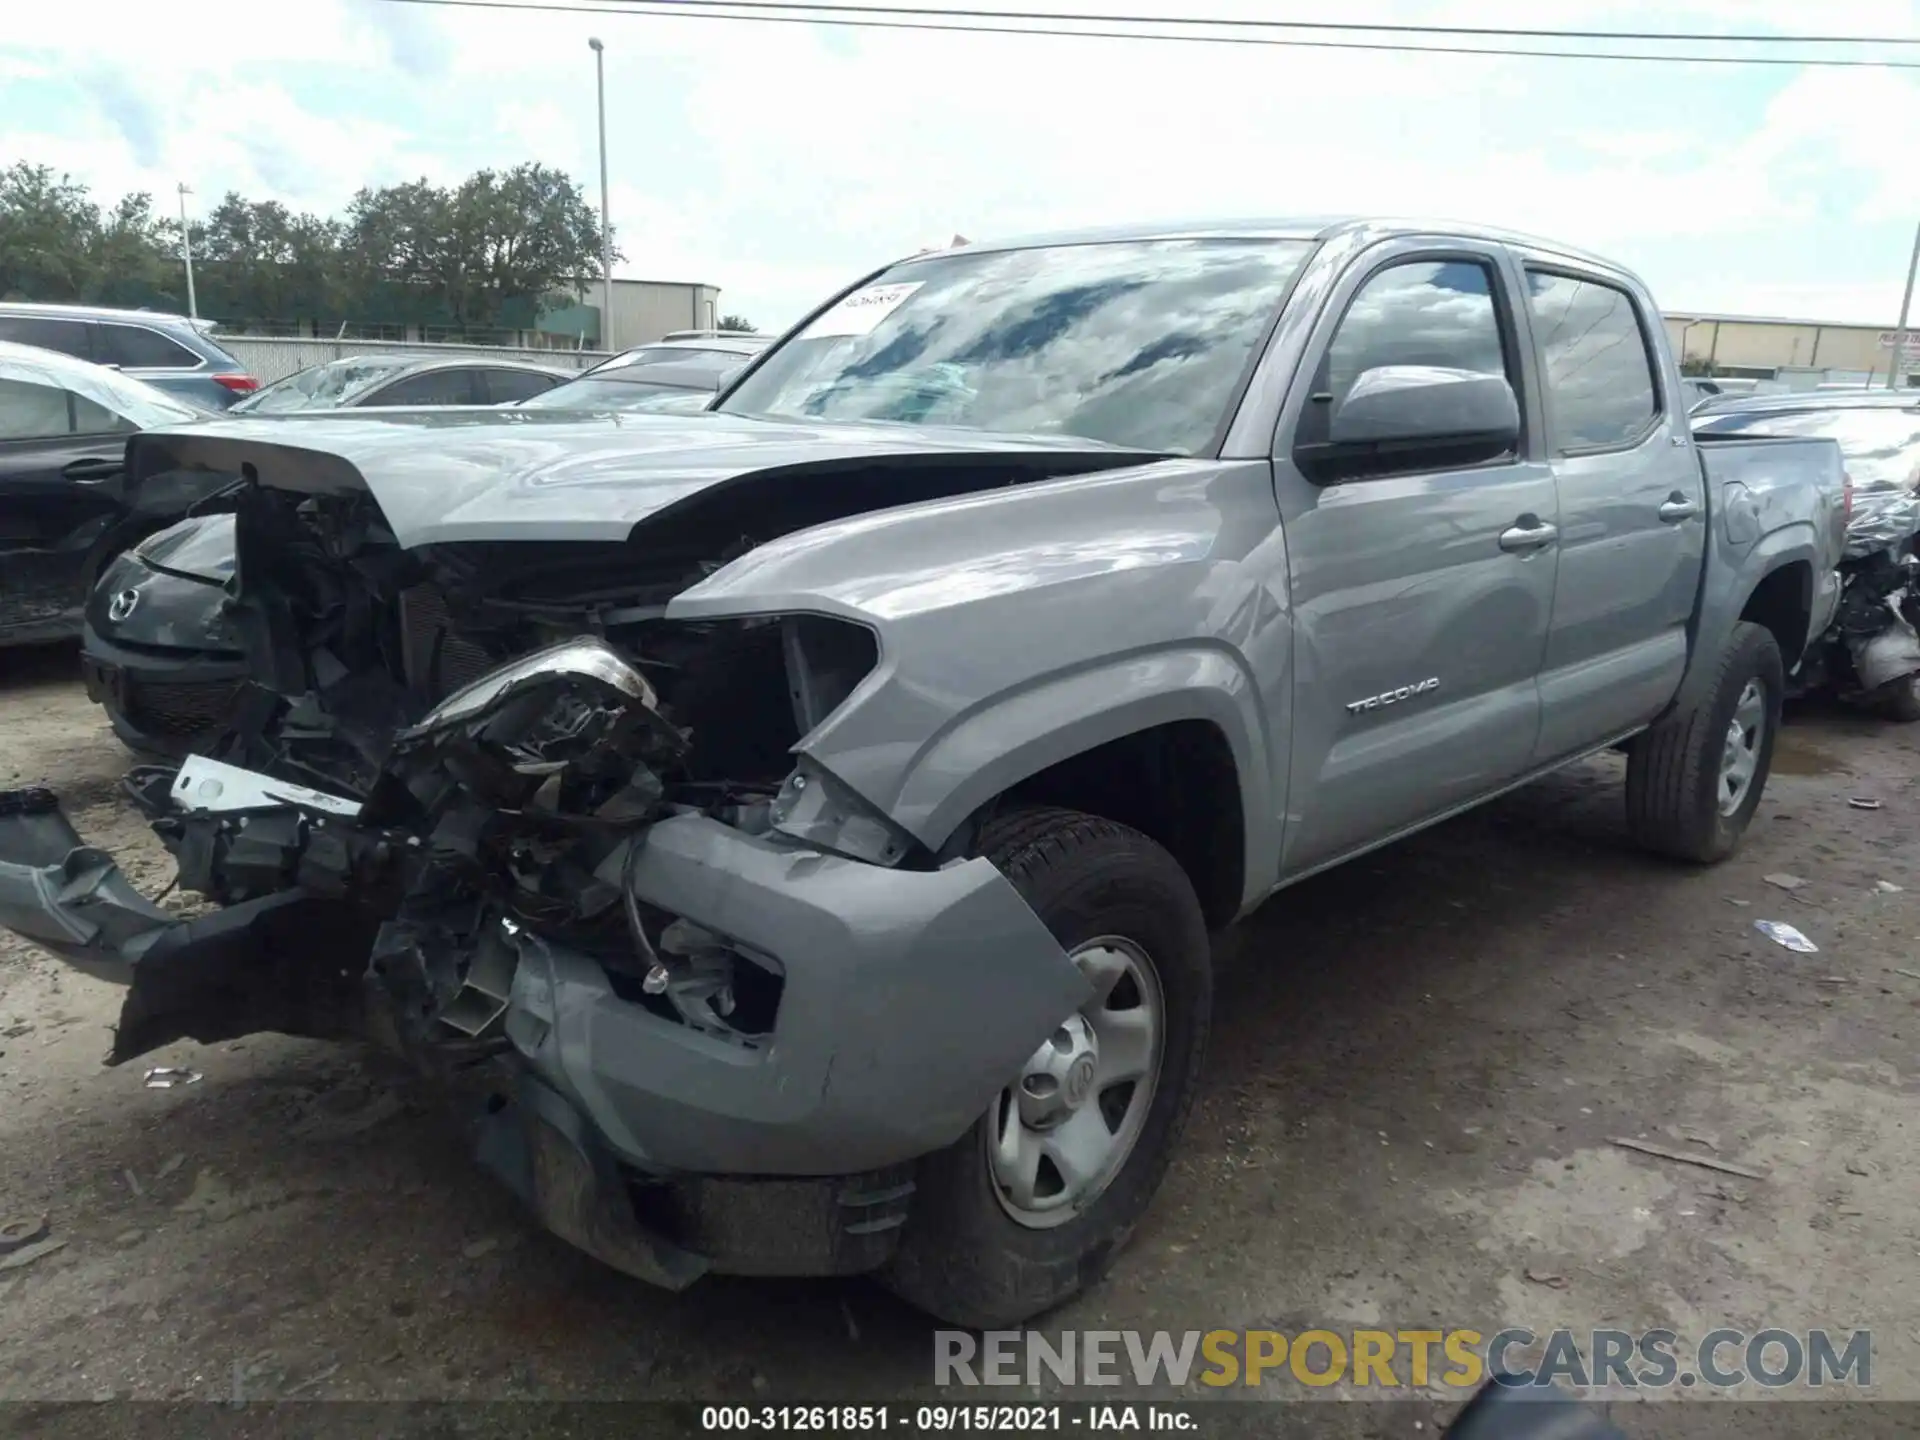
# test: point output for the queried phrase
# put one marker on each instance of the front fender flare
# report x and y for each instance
(1012, 737)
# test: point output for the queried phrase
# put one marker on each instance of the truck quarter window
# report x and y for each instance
(1599, 368)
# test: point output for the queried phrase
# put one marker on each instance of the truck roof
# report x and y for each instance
(1315, 227)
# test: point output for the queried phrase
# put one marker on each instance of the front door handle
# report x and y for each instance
(1527, 535)
(91, 471)
(1678, 508)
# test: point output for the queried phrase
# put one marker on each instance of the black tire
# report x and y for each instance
(1673, 770)
(1899, 700)
(962, 1258)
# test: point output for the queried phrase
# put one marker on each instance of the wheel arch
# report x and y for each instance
(1781, 602)
(1729, 584)
(1171, 744)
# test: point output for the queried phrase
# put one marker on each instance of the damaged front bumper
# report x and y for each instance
(907, 1000)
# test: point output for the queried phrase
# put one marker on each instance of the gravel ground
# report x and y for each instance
(1418, 1066)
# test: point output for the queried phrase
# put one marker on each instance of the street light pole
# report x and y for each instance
(1896, 367)
(186, 253)
(606, 234)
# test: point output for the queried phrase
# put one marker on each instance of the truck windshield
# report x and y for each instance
(1136, 343)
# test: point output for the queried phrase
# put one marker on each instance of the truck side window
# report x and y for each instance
(1600, 389)
(1424, 312)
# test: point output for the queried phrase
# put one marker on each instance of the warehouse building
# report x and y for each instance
(1808, 351)
(643, 311)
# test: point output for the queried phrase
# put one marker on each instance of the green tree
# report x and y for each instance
(738, 322)
(397, 249)
(494, 250)
(265, 262)
(47, 229)
(128, 262)
(525, 233)
(311, 269)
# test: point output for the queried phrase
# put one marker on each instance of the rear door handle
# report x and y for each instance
(88, 471)
(1526, 537)
(1678, 508)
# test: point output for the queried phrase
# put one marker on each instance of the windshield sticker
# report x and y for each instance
(861, 311)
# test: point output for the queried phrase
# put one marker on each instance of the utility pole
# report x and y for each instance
(606, 234)
(1897, 367)
(186, 253)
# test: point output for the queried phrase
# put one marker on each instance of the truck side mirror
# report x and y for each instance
(1405, 405)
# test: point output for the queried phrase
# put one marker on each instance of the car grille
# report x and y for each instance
(171, 711)
(437, 662)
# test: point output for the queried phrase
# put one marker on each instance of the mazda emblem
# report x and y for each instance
(121, 606)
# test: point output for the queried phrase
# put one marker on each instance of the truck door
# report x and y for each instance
(1422, 573)
(1632, 511)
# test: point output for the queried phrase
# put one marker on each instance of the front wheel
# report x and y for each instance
(1031, 1205)
(1694, 780)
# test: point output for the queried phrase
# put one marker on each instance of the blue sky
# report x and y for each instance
(778, 161)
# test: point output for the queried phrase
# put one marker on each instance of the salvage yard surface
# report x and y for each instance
(1420, 1064)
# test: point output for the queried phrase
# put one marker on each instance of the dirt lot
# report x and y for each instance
(1418, 1064)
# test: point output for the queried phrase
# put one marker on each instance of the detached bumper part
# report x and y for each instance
(910, 1000)
(66, 895)
(274, 963)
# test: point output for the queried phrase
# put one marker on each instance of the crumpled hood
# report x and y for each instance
(443, 476)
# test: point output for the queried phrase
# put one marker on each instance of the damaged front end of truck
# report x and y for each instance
(488, 803)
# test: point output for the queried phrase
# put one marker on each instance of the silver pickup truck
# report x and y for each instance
(812, 813)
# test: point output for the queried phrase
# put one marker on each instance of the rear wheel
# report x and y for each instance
(1694, 780)
(1031, 1205)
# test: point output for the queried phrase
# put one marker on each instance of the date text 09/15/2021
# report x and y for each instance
(944, 1419)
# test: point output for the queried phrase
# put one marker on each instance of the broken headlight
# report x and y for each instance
(573, 729)
(594, 663)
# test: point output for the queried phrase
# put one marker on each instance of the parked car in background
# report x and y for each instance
(63, 436)
(156, 651)
(169, 352)
(669, 375)
(357, 380)
(819, 807)
(1871, 653)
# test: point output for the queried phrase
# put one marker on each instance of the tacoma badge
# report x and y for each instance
(1393, 697)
